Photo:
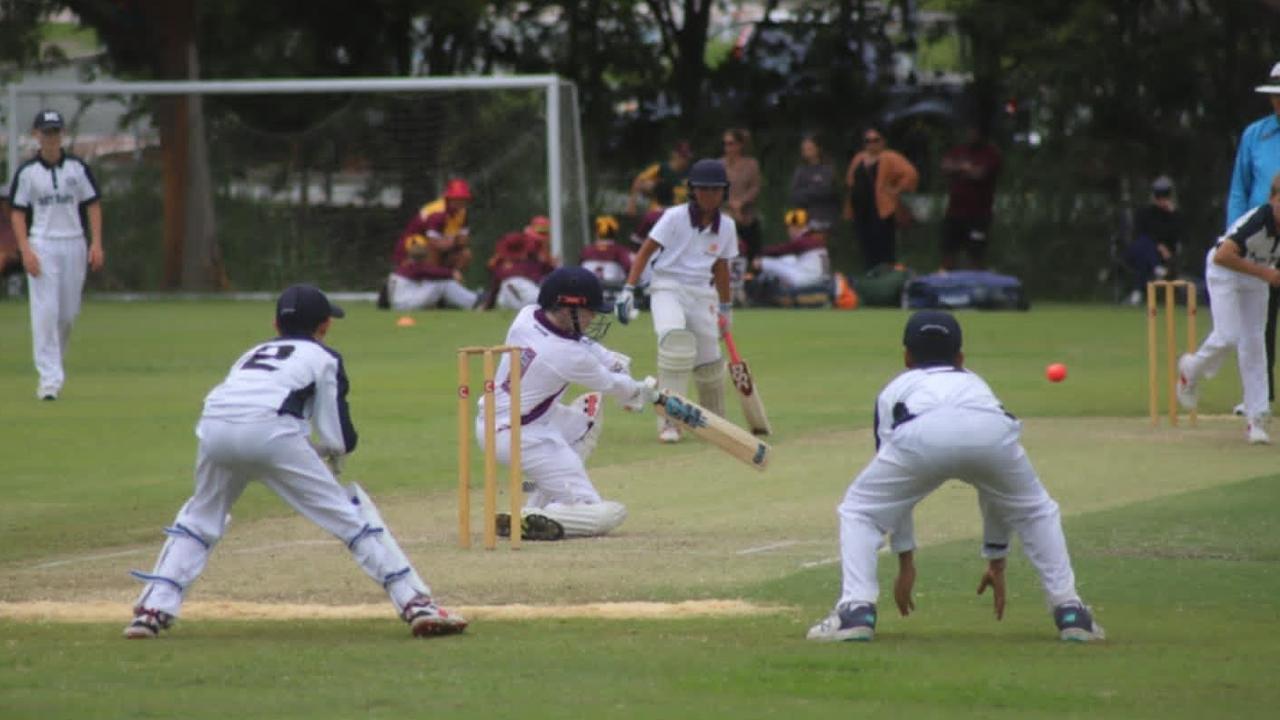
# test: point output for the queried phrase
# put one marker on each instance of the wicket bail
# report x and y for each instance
(1171, 345)
(514, 491)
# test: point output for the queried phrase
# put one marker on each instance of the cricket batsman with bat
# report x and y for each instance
(256, 425)
(689, 249)
(559, 348)
(934, 422)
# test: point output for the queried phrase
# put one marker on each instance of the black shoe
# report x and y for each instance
(532, 527)
(1075, 623)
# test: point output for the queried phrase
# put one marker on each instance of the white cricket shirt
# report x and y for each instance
(922, 390)
(1256, 234)
(52, 197)
(688, 251)
(551, 360)
(289, 377)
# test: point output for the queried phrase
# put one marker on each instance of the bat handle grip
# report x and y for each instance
(729, 345)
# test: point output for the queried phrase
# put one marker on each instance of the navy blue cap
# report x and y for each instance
(301, 309)
(932, 336)
(48, 120)
(708, 172)
(573, 286)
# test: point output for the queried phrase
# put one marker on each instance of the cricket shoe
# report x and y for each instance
(147, 623)
(533, 526)
(669, 433)
(1075, 623)
(1238, 410)
(591, 405)
(1187, 390)
(1257, 430)
(848, 621)
(426, 618)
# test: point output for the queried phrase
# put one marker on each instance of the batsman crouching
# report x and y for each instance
(559, 348)
(934, 422)
(256, 426)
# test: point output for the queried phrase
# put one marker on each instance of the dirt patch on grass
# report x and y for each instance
(44, 611)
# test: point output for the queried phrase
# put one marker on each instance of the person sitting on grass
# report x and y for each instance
(515, 270)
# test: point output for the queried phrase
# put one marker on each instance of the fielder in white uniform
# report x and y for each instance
(690, 297)
(257, 425)
(1239, 269)
(556, 439)
(934, 422)
(50, 194)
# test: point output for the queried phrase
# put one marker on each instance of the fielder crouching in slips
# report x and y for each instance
(558, 348)
(257, 425)
(1239, 270)
(934, 422)
(689, 249)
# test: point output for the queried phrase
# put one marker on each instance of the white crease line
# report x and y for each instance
(819, 563)
(85, 558)
(767, 548)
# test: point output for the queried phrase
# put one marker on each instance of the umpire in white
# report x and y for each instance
(934, 422)
(54, 195)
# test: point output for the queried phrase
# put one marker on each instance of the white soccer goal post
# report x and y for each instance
(313, 178)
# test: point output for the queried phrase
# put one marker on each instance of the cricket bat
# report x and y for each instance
(712, 428)
(748, 393)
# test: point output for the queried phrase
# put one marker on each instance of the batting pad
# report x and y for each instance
(709, 379)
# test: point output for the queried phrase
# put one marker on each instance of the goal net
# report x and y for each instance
(286, 181)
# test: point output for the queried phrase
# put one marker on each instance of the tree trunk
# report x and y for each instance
(201, 260)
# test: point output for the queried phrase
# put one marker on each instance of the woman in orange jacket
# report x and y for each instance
(876, 178)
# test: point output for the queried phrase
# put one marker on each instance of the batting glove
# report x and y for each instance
(726, 316)
(625, 304)
(646, 393)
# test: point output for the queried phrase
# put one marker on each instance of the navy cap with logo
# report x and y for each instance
(301, 309)
(48, 120)
(932, 336)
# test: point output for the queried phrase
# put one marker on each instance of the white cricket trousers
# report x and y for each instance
(1238, 305)
(795, 270)
(680, 307)
(276, 452)
(406, 294)
(517, 292)
(557, 484)
(54, 304)
(980, 448)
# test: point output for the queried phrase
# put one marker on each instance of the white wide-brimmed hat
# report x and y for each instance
(1272, 86)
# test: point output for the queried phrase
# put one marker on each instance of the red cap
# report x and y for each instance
(457, 189)
(539, 225)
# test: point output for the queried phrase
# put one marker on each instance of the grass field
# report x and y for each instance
(1172, 533)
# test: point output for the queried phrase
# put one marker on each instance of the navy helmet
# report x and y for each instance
(708, 173)
(932, 336)
(573, 287)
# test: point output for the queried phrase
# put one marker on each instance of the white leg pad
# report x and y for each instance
(709, 378)
(585, 519)
(677, 350)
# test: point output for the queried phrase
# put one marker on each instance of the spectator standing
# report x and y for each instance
(813, 184)
(52, 195)
(877, 177)
(1257, 161)
(971, 168)
(662, 184)
(10, 258)
(1157, 236)
(744, 187)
